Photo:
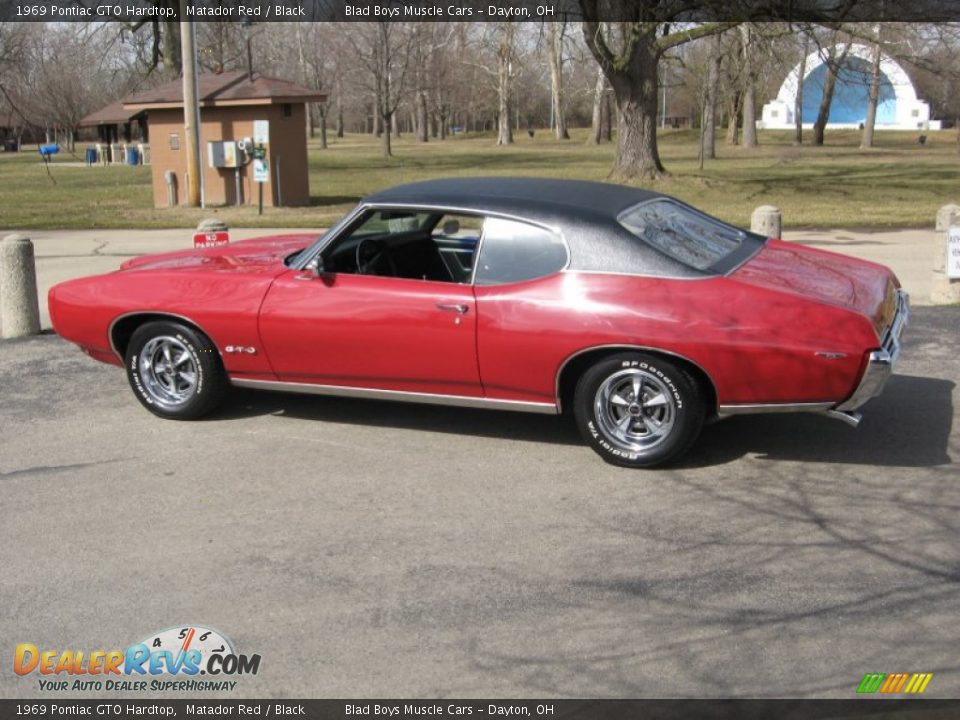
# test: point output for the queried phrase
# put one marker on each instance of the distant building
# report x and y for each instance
(233, 106)
(898, 107)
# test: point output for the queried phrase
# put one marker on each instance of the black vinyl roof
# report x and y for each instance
(584, 213)
(535, 198)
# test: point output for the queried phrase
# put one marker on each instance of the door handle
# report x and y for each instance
(454, 307)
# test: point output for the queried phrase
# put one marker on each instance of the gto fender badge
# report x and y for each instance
(240, 349)
(830, 355)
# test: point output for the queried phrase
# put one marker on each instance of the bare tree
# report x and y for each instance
(749, 87)
(873, 96)
(629, 53)
(383, 50)
(556, 32)
(834, 60)
(505, 75)
(710, 100)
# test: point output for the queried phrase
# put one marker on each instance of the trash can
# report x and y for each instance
(133, 157)
(91, 156)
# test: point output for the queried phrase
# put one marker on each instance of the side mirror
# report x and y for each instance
(315, 266)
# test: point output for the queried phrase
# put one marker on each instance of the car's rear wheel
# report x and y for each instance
(638, 410)
(174, 370)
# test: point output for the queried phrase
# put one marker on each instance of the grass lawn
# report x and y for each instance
(897, 184)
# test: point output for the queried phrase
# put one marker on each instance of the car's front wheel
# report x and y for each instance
(638, 410)
(174, 370)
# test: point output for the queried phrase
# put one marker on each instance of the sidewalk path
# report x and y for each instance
(65, 254)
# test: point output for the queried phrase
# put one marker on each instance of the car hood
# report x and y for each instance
(244, 256)
(850, 283)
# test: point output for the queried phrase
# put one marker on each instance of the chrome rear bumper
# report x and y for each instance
(881, 362)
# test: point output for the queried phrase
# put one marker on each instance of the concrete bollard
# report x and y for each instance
(19, 306)
(943, 289)
(766, 220)
(212, 225)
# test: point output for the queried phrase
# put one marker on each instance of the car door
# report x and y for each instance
(369, 331)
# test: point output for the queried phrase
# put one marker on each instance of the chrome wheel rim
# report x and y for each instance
(635, 410)
(168, 371)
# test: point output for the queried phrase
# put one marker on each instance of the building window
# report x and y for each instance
(915, 112)
(174, 141)
(287, 110)
(774, 113)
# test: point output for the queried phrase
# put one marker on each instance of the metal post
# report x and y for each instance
(19, 307)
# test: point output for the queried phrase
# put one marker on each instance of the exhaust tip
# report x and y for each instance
(850, 418)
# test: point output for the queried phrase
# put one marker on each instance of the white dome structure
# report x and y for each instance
(898, 107)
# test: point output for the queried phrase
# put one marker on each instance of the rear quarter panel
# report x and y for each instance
(756, 344)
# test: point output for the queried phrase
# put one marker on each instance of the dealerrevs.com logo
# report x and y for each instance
(170, 660)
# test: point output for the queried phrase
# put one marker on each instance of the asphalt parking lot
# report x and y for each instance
(367, 549)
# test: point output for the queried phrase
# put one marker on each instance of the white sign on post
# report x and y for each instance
(261, 171)
(261, 132)
(953, 252)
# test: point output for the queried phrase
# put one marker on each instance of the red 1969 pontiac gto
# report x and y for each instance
(642, 316)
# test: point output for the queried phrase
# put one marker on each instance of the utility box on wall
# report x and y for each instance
(222, 154)
(233, 108)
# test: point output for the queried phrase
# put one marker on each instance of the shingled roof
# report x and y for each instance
(222, 89)
(112, 114)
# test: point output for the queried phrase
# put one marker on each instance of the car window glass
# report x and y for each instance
(407, 244)
(456, 238)
(682, 233)
(514, 251)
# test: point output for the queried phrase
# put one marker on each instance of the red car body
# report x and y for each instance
(789, 328)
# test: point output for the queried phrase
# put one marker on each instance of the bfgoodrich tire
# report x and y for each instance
(638, 410)
(175, 371)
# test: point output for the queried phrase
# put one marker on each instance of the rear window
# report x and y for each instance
(682, 233)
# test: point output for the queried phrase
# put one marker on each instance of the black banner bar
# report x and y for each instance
(818, 11)
(117, 709)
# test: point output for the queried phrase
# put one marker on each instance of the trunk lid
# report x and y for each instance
(863, 287)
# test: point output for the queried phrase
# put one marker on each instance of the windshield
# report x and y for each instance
(682, 233)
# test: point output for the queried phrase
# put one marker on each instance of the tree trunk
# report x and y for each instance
(385, 135)
(339, 108)
(322, 108)
(866, 142)
(597, 119)
(710, 108)
(733, 120)
(749, 90)
(504, 69)
(637, 95)
(798, 102)
(606, 119)
(423, 119)
(636, 90)
(172, 62)
(833, 66)
(556, 80)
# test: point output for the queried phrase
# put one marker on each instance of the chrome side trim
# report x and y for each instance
(764, 408)
(160, 313)
(880, 363)
(619, 346)
(399, 395)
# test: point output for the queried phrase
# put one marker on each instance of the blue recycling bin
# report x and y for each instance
(91, 156)
(133, 157)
